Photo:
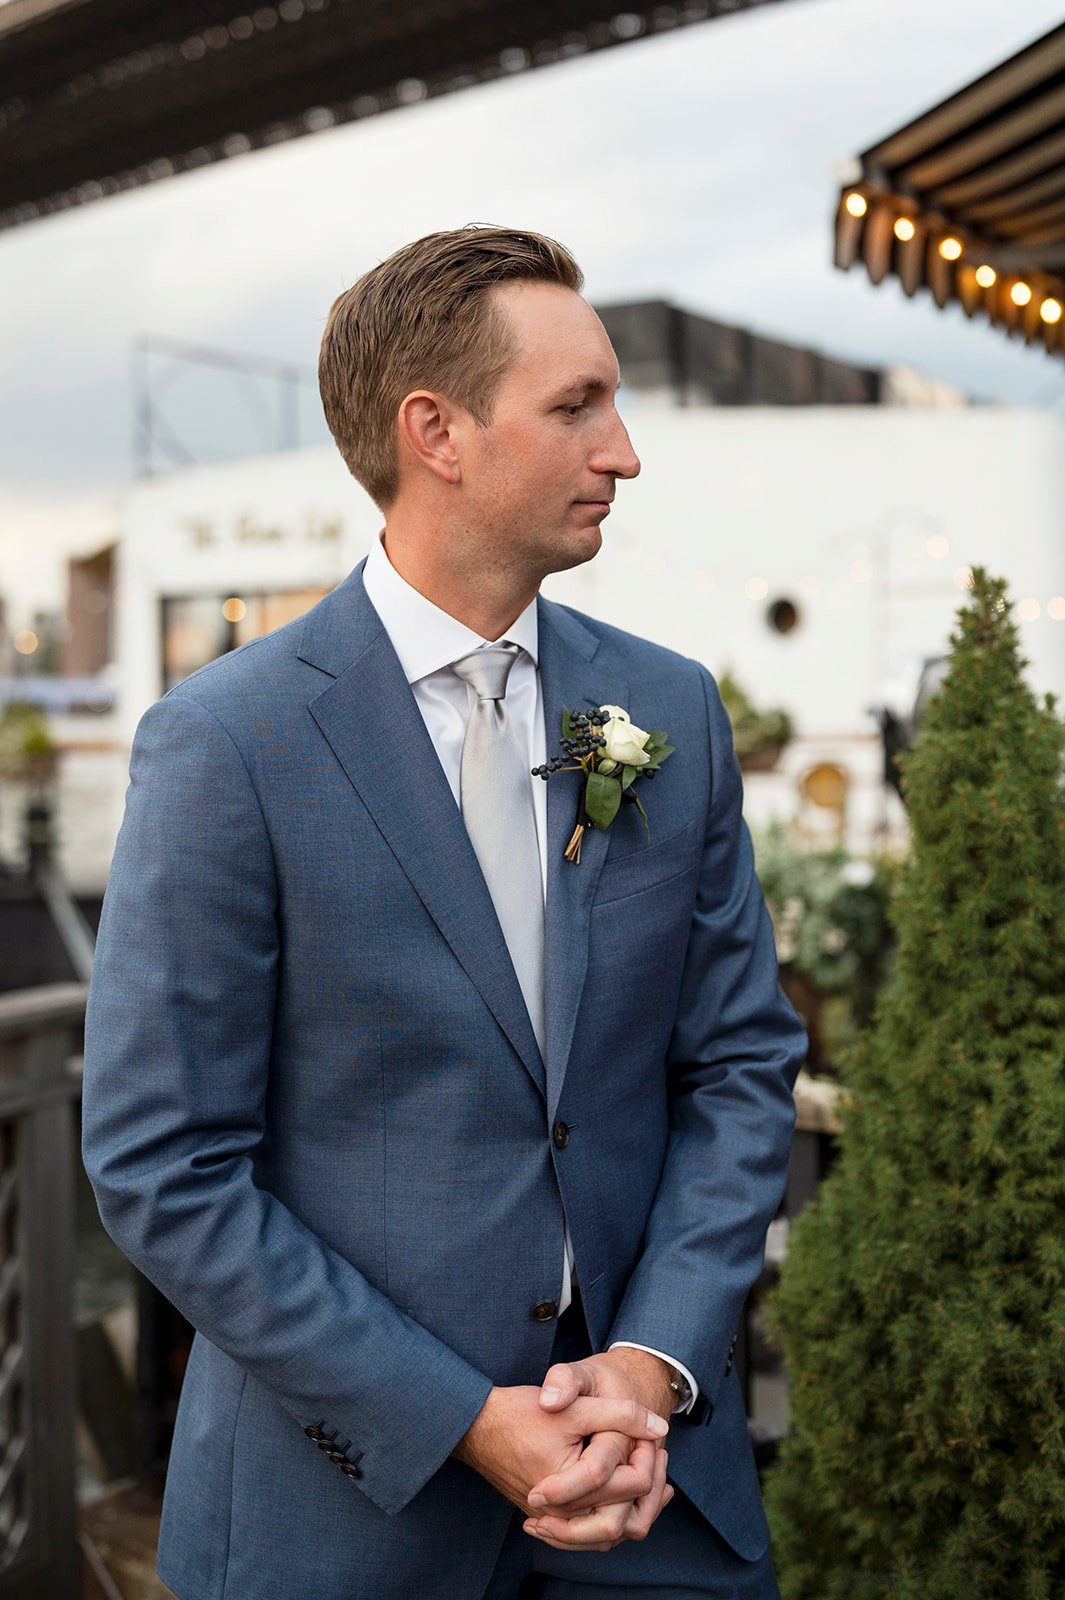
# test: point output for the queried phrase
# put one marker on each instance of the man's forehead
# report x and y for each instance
(555, 328)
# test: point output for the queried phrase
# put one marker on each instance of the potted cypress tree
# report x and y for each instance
(922, 1303)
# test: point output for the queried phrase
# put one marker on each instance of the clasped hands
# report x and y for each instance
(583, 1456)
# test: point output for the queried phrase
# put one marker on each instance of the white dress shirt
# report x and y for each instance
(427, 640)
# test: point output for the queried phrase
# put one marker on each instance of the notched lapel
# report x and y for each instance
(569, 677)
(371, 720)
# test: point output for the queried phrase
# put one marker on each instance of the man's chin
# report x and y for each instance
(579, 545)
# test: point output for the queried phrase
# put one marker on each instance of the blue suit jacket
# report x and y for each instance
(316, 1115)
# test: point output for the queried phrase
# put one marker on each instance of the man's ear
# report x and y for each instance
(430, 428)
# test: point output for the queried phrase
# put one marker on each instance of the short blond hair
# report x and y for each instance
(424, 319)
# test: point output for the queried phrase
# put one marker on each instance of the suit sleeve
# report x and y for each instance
(734, 1054)
(177, 1051)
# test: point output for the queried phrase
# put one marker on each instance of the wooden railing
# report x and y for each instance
(40, 1031)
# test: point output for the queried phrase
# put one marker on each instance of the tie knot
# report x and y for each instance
(487, 670)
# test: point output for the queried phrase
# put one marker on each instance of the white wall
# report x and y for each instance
(794, 496)
(272, 523)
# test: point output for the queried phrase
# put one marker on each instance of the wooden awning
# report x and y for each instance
(968, 200)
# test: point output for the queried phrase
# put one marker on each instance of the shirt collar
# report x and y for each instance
(424, 637)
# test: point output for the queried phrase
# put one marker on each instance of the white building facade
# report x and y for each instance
(819, 553)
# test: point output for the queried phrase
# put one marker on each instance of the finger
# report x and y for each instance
(589, 1478)
(630, 1480)
(563, 1383)
(602, 1414)
(644, 1511)
(599, 1529)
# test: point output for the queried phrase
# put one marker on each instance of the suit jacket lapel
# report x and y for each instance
(368, 715)
(568, 677)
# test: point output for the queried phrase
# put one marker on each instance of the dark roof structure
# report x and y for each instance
(104, 95)
(697, 361)
(968, 200)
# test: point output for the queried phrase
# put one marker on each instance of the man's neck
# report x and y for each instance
(486, 602)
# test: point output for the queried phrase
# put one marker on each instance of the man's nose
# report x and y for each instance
(617, 456)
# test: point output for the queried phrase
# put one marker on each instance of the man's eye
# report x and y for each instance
(573, 410)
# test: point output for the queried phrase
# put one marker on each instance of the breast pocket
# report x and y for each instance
(657, 863)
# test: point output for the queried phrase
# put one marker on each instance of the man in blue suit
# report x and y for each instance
(400, 1104)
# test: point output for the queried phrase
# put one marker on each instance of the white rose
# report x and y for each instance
(624, 741)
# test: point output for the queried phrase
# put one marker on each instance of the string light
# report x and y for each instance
(950, 249)
(756, 588)
(1056, 608)
(1020, 294)
(937, 547)
(26, 641)
(856, 204)
(234, 610)
(963, 578)
(1028, 609)
(904, 229)
(1050, 310)
(986, 276)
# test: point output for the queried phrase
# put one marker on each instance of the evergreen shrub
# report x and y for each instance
(922, 1302)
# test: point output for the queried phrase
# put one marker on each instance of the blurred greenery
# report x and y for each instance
(834, 940)
(752, 730)
(27, 749)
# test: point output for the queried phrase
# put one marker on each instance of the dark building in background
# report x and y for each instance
(694, 361)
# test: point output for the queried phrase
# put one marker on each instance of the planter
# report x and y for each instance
(764, 758)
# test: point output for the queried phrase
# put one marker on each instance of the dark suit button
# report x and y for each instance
(313, 1432)
(350, 1470)
(544, 1311)
(560, 1134)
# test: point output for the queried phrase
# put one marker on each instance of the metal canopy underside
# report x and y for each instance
(105, 95)
(985, 169)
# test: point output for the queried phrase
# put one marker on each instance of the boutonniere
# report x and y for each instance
(612, 752)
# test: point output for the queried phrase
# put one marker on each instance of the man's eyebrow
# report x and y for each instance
(589, 385)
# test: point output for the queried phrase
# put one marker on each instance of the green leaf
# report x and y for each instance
(663, 753)
(627, 775)
(602, 797)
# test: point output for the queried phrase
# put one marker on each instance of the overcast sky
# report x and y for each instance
(701, 166)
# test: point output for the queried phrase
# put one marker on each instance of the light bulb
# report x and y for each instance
(950, 249)
(1020, 294)
(986, 276)
(904, 229)
(857, 204)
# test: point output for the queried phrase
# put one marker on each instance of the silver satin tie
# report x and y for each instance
(495, 784)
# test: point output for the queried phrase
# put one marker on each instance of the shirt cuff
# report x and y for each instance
(685, 1405)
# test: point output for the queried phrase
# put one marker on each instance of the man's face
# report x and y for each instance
(538, 479)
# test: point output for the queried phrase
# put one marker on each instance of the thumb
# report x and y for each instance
(564, 1383)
